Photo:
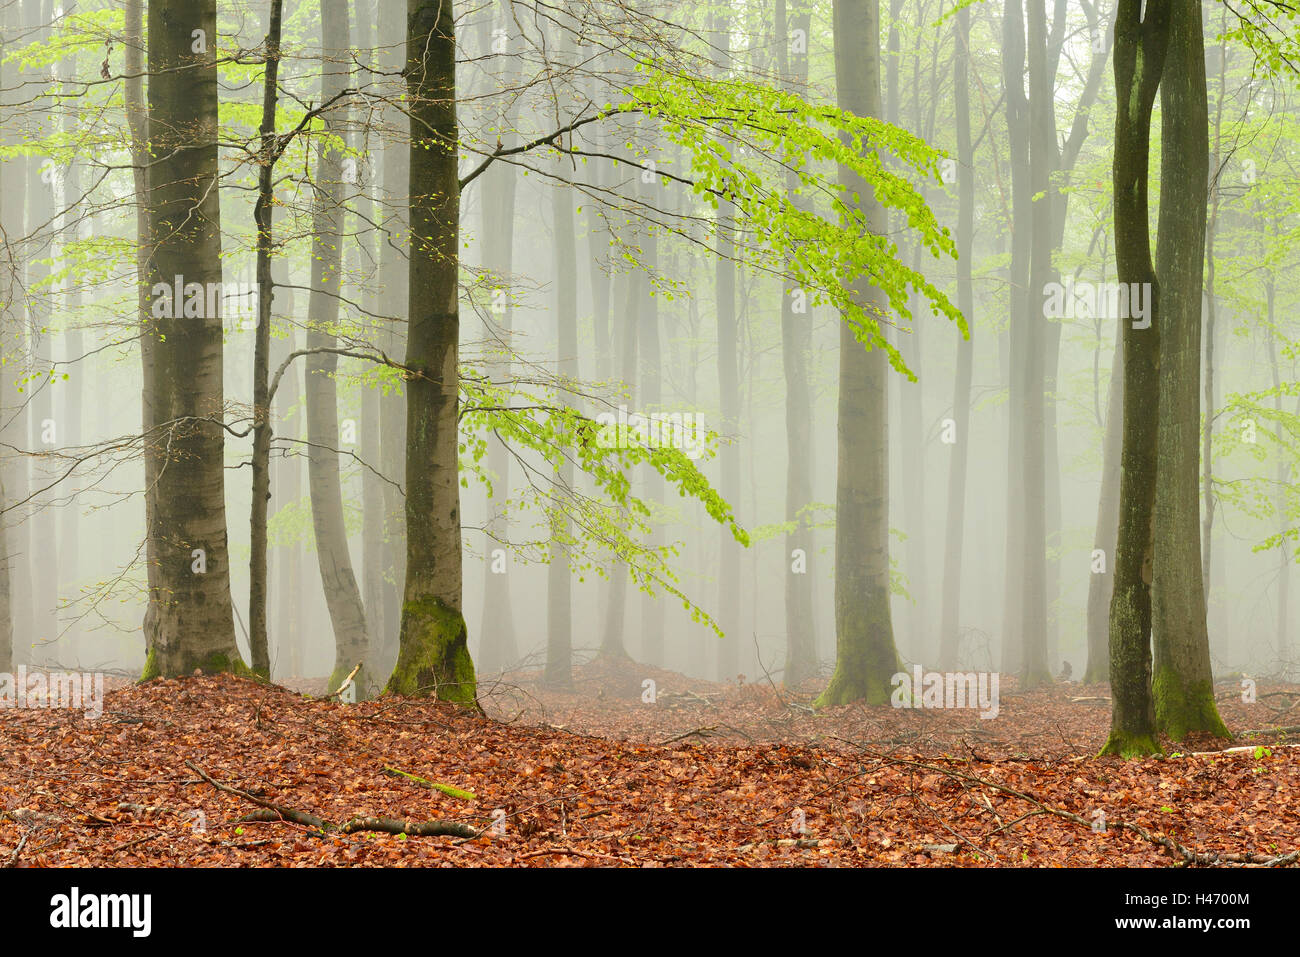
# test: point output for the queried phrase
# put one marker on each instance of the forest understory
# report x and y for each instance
(225, 771)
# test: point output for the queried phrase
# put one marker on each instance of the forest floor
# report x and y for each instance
(229, 772)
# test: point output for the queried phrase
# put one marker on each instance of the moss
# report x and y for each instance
(434, 654)
(1182, 709)
(151, 669)
(1130, 745)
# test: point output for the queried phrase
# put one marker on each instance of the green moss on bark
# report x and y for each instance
(434, 656)
(151, 669)
(1182, 709)
(1129, 745)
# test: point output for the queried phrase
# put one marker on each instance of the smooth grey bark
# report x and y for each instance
(44, 427)
(368, 253)
(15, 573)
(865, 654)
(1101, 578)
(652, 606)
(1017, 110)
(342, 595)
(949, 637)
(286, 474)
(558, 671)
(1034, 670)
(393, 297)
(498, 642)
(800, 650)
(729, 559)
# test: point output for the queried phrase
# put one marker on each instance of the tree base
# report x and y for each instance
(214, 663)
(1130, 745)
(1181, 710)
(434, 655)
(847, 688)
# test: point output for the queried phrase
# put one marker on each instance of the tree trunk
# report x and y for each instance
(1183, 684)
(1034, 670)
(433, 654)
(1013, 64)
(865, 656)
(949, 637)
(558, 672)
(1101, 580)
(499, 644)
(794, 19)
(342, 596)
(729, 560)
(258, 640)
(190, 622)
(1139, 60)
(393, 272)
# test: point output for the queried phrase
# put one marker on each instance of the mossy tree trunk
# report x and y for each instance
(433, 654)
(190, 620)
(1183, 684)
(865, 655)
(1139, 59)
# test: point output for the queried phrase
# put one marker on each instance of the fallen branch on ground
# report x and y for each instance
(382, 824)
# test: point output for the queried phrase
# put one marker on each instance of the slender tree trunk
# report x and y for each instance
(865, 656)
(433, 653)
(74, 388)
(949, 645)
(44, 429)
(1014, 591)
(652, 606)
(1034, 669)
(393, 273)
(1139, 61)
(287, 473)
(258, 640)
(794, 22)
(728, 614)
(342, 596)
(1101, 581)
(558, 672)
(499, 644)
(369, 252)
